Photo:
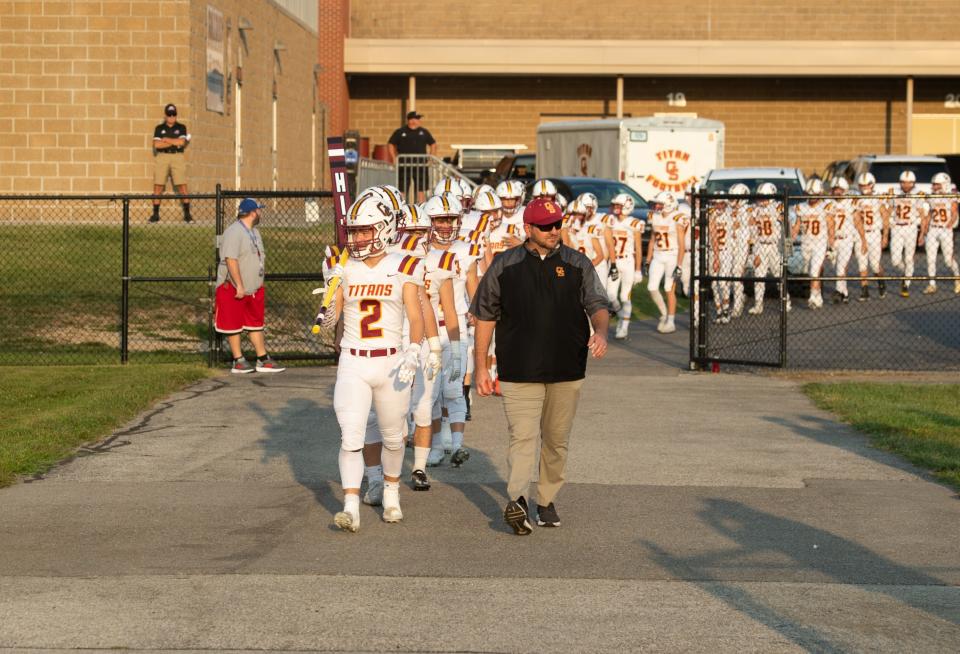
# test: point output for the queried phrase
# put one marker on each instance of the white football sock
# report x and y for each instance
(351, 504)
(420, 457)
(351, 468)
(456, 438)
(658, 300)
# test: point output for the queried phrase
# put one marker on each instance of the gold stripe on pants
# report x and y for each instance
(538, 413)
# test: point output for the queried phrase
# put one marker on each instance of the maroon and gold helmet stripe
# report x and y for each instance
(332, 261)
(482, 223)
(446, 203)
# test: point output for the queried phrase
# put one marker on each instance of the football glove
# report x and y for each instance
(409, 363)
(432, 365)
(678, 273)
(330, 318)
(452, 371)
(614, 273)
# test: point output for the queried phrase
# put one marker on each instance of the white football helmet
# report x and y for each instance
(866, 181)
(625, 202)
(489, 204)
(392, 197)
(510, 193)
(543, 188)
(416, 221)
(767, 188)
(562, 201)
(908, 176)
(840, 183)
(576, 208)
(814, 186)
(445, 206)
(589, 201)
(666, 201)
(369, 211)
(941, 183)
(483, 188)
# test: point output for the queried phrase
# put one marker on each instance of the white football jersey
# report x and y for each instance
(767, 225)
(473, 226)
(941, 211)
(625, 233)
(813, 221)
(722, 228)
(466, 254)
(842, 211)
(497, 238)
(871, 212)
(439, 266)
(602, 222)
(665, 231)
(907, 210)
(373, 311)
(739, 223)
(581, 237)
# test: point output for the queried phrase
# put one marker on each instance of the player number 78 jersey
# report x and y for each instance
(373, 311)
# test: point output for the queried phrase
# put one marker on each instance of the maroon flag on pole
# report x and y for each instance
(341, 195)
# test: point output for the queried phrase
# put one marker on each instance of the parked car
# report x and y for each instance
(887, 168)
(835, 169)
(604, 189)
(953, 166)
(478, 161)
(514, 166)
(720, 180)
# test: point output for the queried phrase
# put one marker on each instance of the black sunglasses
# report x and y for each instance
(550, 226)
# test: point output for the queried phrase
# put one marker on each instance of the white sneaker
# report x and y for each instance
(435, 457)
(956, 287)
(391, 506)
(374, 494)
(755, 310)
(930, 289)
(347, 521)
(621, 330)
(669, 328)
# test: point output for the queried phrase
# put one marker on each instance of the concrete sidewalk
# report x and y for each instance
(703, 513)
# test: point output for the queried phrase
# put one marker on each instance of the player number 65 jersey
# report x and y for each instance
(373, 311)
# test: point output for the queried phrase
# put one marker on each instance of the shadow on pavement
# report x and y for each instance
(767, 542)
(295, 434)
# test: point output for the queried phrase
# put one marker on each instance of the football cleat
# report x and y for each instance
(904, 290)
(419, 480)
(755, 310)
(459, 457)
(374, 494)
(882, 286)
(930, 289)
(391, 505)
(347, 521)
(435, 457)
(864, 294)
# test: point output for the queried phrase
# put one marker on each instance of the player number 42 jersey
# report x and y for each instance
(373, 310)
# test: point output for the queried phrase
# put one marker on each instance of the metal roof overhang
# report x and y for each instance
(605, 58)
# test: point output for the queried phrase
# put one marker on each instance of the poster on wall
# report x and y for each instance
(215, 67)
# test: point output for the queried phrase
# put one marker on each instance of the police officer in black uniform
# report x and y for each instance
(170, 139)
(412, 139)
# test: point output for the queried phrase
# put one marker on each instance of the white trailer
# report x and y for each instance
(650, 154)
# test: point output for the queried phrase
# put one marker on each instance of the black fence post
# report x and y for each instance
(786, 228)
(216, 342)
(703, 291)
(125, 285)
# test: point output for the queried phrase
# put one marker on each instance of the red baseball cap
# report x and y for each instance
(542, 211)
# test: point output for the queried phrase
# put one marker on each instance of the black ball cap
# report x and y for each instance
(170, 110)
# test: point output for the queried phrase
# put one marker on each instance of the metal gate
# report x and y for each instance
(738, 312)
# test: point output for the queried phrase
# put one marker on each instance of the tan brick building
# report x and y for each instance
(82, 85)
(795, 83)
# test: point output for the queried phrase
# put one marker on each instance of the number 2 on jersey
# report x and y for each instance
(372, 310)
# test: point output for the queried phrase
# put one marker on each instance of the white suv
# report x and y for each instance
(887, 168)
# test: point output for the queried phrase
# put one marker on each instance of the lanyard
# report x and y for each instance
(253, 240)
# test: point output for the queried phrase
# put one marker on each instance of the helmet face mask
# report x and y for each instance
(370, 227)
(444, 212)
(666, 202)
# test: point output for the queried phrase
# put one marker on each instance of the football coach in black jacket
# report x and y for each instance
(542, 298)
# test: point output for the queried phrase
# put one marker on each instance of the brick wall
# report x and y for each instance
(788, 121)
(82, 85)
(334, 23)
(653, 19)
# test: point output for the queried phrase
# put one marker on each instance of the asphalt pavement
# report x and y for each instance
(703, 513)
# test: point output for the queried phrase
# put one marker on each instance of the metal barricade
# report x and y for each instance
(373, 172)
(418, 174)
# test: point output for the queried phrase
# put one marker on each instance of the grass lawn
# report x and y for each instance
(644, 308)
(920, 422)
(62, 289)
(49, 411)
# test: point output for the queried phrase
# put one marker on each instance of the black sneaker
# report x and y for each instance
(864, 293)
(459, 457)
(547, 516)
(155, 218)
(883, 289)
(845, 299)
(837, 297)
(468, 417)
(516, 517)
(420, 481)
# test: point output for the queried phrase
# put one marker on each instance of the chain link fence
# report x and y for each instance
(90, 280)
(871, 282)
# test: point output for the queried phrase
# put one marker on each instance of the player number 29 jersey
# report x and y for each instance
(373, 311)
(941, 211)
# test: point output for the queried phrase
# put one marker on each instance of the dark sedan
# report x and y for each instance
(604, 189)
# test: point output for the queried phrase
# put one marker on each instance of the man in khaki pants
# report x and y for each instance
(542, 297)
